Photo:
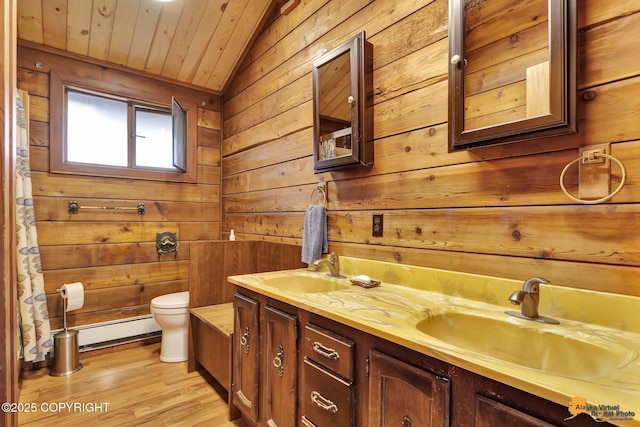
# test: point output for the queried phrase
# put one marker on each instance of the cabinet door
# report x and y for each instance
(494, 414)
(246, 355)
(403, 395)
(280, 364)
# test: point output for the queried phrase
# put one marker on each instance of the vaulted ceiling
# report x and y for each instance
(197, 42)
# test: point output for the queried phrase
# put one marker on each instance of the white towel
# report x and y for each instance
(314, 235)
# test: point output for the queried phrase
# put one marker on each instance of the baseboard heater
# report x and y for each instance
(107, 334)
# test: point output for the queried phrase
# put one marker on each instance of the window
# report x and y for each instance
(96, 130)
(100, 133)
(154, 139)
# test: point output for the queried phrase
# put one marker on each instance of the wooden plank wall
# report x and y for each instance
(495, 211)
(211, 262)
(113, 253)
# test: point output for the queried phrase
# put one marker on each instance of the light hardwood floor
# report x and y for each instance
(139, 391)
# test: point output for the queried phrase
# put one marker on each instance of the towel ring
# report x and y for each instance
(321, 190)
(595, 156)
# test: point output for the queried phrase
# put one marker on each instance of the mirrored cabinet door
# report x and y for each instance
(512, 71)
(335, 106)
(341, 99)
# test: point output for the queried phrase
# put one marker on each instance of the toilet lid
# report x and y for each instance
(175, 300)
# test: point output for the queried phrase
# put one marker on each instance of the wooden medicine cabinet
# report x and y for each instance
(342, 93)
(512, 71)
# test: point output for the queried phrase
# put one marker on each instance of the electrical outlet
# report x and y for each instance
(377, 225)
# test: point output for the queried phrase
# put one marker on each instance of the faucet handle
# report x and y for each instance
(532, 285)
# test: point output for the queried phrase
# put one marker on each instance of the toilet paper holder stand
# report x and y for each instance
(64, 309)
(65, 348)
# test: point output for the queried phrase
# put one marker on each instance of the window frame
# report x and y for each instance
(60, 82)
(136, 107)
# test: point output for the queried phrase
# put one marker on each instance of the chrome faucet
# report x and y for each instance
(528, 298)
(333, 263)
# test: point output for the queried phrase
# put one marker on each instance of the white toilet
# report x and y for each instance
(171, 311)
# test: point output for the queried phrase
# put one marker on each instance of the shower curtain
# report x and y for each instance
(33, 316)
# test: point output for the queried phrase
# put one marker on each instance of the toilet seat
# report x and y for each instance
(175, 300)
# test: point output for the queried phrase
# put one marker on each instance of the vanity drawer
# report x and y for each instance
(329, 350)
(327, 399)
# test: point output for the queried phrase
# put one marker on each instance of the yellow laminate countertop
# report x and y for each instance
(410, 296)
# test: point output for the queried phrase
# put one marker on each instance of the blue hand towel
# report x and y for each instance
(314, 235)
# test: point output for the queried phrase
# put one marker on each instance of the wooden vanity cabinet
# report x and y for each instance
(334, 375)
(458, 397)
(489, 413)
(281, 368)
(246, 356)
(404, 395)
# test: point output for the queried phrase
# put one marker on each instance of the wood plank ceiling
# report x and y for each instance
(197, 42)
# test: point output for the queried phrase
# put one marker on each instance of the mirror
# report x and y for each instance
(512, 71)
(342, 92)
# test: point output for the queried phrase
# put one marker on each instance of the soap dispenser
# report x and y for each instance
(232, 236)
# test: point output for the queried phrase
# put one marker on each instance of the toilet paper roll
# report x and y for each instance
(74, 294)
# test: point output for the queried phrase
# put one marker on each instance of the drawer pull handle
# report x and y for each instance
(406, 422)
(307, 423)
(325, 351)
(243, 399)
(277, 361)
(323, 403)
(244, 340)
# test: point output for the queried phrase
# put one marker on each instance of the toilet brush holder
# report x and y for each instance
(65, 350)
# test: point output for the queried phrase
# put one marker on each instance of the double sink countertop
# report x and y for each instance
(592, 356)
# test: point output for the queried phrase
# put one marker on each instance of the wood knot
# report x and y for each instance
(104, 11)
(397, 256)
(418, 231)
(589, 95)
(516, 235)
(432, 131)
(407, 149)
